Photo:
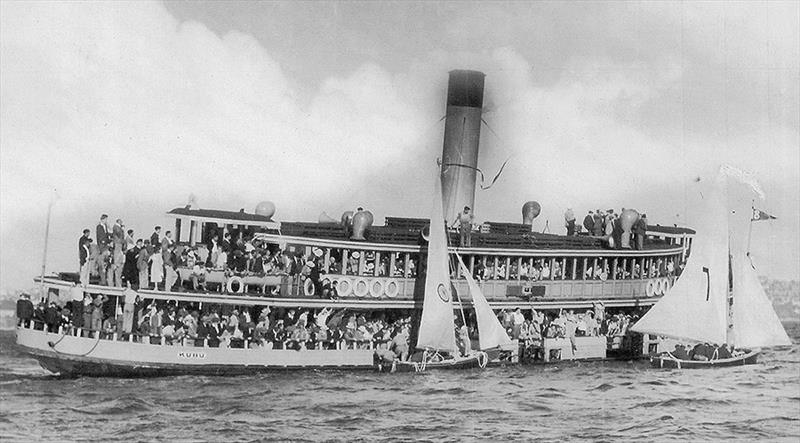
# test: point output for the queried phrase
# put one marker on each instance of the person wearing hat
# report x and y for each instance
(83, 256)
(118, 235)
(597, 223)
(588, 222)
(464, 222)
(24, 310)
(76, 298)
(103, 236)
(52, 317)
(640, 231)
(569, 221)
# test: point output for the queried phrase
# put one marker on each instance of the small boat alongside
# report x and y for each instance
(436, 339)
(718, 300)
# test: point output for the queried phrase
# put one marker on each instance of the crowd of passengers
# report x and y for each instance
(162, 322)
(116, 258)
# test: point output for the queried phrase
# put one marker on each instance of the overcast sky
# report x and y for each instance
(128, 107)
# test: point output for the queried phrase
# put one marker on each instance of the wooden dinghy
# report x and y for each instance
(667, 360)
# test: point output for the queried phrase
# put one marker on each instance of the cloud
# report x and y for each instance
(126, 110)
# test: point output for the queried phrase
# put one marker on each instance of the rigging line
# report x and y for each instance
(482, 176)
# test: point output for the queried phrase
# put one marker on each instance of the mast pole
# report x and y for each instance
(750, 228)
(46, 239)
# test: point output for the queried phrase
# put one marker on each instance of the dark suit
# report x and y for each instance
(24, 311)
(130, 272)
(103, 237)
(154, 239)
(83, 254)
(118, 235)
(588, 223)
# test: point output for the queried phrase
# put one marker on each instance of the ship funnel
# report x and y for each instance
(462, 130)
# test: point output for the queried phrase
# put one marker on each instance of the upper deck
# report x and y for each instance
(404, 234)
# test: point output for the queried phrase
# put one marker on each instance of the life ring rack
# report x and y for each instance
(650, 288)
(360, 283)
(377, 282)
(344, 287)
(235, 279)
(308, 288)
(391, 288)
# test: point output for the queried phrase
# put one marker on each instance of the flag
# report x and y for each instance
(759, 215)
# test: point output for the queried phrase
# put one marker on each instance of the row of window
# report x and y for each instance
(483, 267)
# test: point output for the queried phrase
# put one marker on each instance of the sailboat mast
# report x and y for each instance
(750, 228)
(729, 305)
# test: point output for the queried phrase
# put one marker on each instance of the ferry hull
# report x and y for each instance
(662, 362)
(67, 355)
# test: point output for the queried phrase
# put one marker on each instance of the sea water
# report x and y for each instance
(609, 401)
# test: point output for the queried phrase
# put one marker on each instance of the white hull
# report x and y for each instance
(70, 355)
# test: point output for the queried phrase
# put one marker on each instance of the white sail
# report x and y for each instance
(695, 308)
(491, 333)
(755, 323)
(437, 329)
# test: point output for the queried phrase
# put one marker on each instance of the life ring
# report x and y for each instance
(662, 286)
(308, 288)
(667, 284)
(235, 279)
(391, 288)
(376, 293)
(650, 290)
(360, 283)
(345, 287)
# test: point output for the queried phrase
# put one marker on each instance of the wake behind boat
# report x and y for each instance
(717, 302)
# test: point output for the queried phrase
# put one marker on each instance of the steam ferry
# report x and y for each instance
(376, 268)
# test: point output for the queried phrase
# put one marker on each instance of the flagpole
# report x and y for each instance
(750, 228)
(46, 238)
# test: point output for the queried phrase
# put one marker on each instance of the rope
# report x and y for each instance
(53, 345)
(482, 176)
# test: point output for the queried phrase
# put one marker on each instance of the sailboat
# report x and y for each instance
(717, 299)
(436, 338)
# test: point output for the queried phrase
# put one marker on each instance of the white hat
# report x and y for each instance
(310, 264)
(356, 254)
(317, 252)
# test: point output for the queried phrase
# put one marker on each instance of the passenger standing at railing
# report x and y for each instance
(52, 317)
(156, 267)
(97, 311)
(597, 223)
(103, 234)
(24, 310)
(155, 237)
(88, 308)
(130, 267)
(569, 221)
(129, 242)
(640, 231)
(464, 221)
(170, 267)
(83, 256)
(517, 319)
(143, 265)
(129, 298)
(76, 297)
(118, 235)
(588, 222)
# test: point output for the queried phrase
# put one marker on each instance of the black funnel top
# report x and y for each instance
(465, 88)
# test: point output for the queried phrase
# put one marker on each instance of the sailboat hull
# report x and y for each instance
(478, 360)
(664, 361)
